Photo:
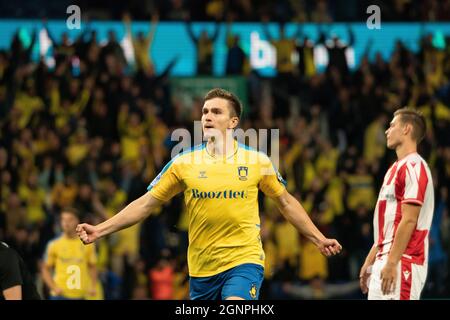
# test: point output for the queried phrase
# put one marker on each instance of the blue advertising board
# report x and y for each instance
(171, 40)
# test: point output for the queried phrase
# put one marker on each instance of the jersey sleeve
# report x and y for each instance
(9, 270)
(168, 182)
(416, 181)
(271, 183)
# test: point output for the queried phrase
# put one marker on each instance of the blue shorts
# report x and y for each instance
(242, 281)
(63, 298)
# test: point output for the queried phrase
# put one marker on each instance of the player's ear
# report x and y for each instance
(407, 129)
(234, 121)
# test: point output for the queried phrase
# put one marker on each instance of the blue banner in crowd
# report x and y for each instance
(172, 40)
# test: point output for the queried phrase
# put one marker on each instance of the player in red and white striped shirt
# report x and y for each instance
(396, 266)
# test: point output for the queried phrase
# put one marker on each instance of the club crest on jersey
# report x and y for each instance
(202, 175)
(243, 173)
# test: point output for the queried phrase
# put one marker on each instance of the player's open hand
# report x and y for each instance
(57, 291)
(364, 276)
(92, 291)
(87, 233)
(388, 277)
(329, 247)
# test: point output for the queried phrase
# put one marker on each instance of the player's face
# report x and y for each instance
(394, 133)
(216, 117)
(68, 223)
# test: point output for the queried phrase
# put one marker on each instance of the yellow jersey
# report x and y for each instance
(70, 259)
(221, 197)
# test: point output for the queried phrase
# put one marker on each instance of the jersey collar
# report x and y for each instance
(235, 150)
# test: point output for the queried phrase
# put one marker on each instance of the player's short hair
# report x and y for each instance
(416, 119)
(233, 101)
(71, 211)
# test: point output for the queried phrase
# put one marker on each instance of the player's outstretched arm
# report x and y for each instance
(136, 211)
(293, 211)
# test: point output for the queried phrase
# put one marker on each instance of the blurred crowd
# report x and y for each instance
(93, 139)
(319, 11)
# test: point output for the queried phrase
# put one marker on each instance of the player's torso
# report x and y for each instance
(388, 199)
(221, 197)
(70, 252)
(71, 267)
(388, 211)
(221, 192)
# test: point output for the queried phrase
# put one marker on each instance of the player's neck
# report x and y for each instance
(70, 235)
(405, 149)
(219, 147)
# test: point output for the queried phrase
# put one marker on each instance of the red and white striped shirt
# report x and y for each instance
(408, 180)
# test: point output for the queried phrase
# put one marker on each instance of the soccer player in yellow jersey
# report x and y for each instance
(220, 180)
(73, 265)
